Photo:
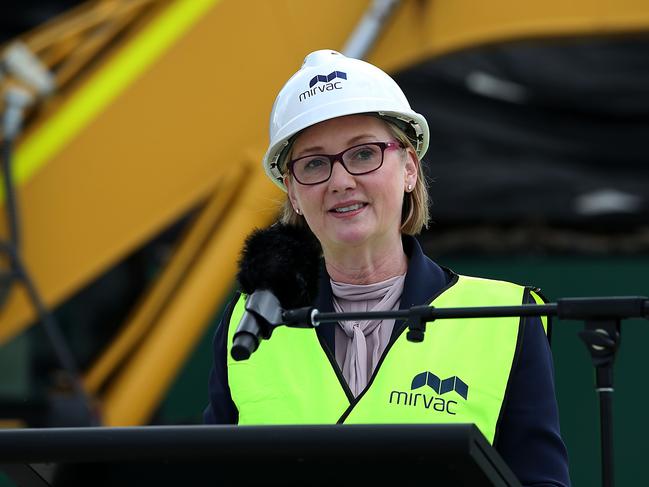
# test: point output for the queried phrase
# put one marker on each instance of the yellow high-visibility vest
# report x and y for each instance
(458, 374)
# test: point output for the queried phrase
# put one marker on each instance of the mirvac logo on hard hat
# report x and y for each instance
(329, 84)
(432, 402)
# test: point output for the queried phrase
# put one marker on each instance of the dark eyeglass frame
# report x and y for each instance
(333, 158)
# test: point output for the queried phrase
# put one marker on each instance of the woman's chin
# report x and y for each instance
(351, 237)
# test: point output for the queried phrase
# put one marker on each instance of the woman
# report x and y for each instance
(347, 149)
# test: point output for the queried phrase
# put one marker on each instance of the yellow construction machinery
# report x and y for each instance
(149, 109)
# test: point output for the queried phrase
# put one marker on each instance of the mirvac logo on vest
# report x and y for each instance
(431, 401)
(329, 84)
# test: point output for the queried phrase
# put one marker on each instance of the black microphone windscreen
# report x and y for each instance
(285, 259)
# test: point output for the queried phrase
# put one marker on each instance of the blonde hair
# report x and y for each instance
(415, 212)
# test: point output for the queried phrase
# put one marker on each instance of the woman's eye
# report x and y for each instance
(315, 163)
(364, 153)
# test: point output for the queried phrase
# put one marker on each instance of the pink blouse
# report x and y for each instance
(360, 344)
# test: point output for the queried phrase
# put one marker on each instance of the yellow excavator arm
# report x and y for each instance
(161, 107)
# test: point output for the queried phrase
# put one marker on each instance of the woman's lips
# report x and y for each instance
(348, 209)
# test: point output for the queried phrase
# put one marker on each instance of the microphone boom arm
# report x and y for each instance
(267, 314)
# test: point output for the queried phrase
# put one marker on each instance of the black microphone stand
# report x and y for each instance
(18, 272)
(602, 333)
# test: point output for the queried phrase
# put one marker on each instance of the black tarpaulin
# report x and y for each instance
(537, 131)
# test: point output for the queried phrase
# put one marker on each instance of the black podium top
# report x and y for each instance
(455, 455)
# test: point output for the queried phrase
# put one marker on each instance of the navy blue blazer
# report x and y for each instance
(527, 434)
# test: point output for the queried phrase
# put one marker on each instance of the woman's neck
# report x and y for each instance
(366, 265)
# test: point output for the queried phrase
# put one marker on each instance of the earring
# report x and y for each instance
(409, 188)
(297, 210)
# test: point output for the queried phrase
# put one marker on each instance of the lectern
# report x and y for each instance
(186, 456)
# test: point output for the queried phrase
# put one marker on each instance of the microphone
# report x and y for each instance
(278, 269)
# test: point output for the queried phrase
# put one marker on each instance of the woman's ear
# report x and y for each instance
(411, 168)
(291, 193)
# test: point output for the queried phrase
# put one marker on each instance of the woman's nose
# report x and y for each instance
(341, 179)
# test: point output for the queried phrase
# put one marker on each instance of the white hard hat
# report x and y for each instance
(330, 85)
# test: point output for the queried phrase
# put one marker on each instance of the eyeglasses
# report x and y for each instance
(357, 160)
